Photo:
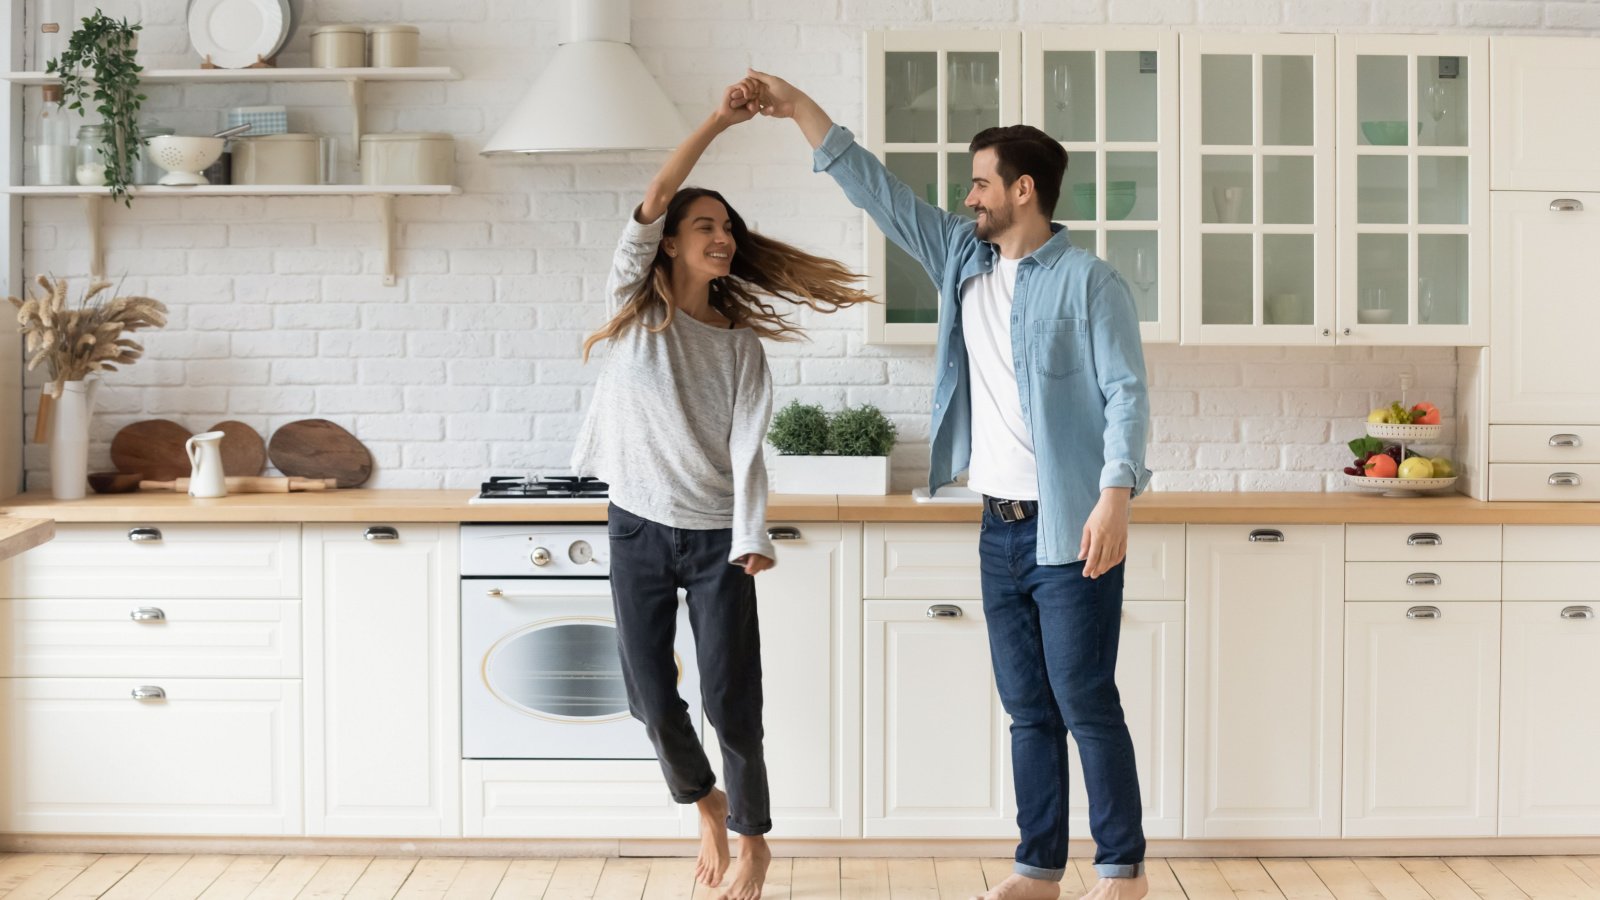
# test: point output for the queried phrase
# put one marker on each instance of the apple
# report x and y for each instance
(1381, 466)
(1381, 414)
(1425, 413)
(1416, 467)
(1443, 468)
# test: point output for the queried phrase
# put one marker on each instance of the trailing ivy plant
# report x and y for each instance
(98, 66)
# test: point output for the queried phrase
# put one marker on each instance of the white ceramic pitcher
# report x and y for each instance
(205, 465)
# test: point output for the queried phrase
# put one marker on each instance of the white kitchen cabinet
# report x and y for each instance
(1546, 125)
(1546, 284)
(1262, 681)
(937, 763)
(159, 561)
(1550, 718)
(159, 756)
(1150, 682)
(570, 798)
(383, 732)
(810, 611)
(1421, 718)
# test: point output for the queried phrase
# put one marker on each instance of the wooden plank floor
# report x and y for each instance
(89, 876)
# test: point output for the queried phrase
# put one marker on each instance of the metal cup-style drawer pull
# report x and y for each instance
(783, 533)
(1424, 539)
(1564, 479)
(1565, 440)
(1577, 612)
(1424, 612)
(148, 614)
(1266, 536)
(149, 692)
(382, 533)
(1424, 579)
(144, 535)
(944, 611)
(1566, 204)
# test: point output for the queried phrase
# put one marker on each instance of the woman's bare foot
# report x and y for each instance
(1119, 888)
(713, 859)
(1021, 887)
(750, 872)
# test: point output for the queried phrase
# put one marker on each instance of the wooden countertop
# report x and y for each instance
(17, 535)
(382, 506)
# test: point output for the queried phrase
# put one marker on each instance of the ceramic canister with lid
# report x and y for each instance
(408, 158)
(277, 159)
(394, 46)
(339, 47)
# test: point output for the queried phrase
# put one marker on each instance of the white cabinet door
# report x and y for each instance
(810, 610)
(937, 762)
(1262, 681)
(1550, 719)
(1546, 125)
(186, 756)
(1421, 712)
(383, 724)
(1150, 680)
(198, 560)
(1546, 281)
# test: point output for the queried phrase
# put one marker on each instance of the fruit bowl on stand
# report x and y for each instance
(1401, 487)
(1391, 431)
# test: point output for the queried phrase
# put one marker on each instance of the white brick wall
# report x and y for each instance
(471, 362)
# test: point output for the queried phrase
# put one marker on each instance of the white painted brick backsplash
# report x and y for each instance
(471, 362)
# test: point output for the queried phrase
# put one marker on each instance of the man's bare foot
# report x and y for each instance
(1119, 888)
(750, 872)
(713, 860)
(1021, 887)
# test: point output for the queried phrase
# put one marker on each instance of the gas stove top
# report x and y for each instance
(541, 489)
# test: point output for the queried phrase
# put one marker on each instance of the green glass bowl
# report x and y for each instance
(1385, 134)
(1120, 198)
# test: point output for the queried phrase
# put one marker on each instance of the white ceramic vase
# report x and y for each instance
(69, 439)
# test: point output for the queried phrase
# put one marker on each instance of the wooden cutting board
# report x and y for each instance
(153, 447)
(243, 450)
(317, 448)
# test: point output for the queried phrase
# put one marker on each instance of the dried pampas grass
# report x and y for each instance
(74, 341)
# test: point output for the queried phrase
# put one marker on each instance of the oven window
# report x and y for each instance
(563, 669)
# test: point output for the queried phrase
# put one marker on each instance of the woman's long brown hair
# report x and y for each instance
(761, 266)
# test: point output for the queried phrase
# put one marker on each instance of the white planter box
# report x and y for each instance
(829, 474)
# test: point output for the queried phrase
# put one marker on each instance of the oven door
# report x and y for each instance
(540, 677)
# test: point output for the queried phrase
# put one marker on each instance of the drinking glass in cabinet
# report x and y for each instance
(1134, 254)
(1225, 112)
(1227, 280)
(1442, 190)
(1381, 261)
(1069, 103)
(1225, 190)
(1288, 272)
(974, 101)
(1131, 96)
(1381, 190)
(1288, 100)
(1288, 189)
(1442, 279)
(910, 86)
(1441, 101)
(1381, 101)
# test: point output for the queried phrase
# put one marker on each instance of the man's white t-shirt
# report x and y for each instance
(1003, 463)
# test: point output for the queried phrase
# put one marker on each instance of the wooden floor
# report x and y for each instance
(86, 876)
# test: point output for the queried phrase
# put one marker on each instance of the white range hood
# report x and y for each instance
(594, 95)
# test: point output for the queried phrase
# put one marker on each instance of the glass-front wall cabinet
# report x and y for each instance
(1111, 98)
(1413, 190)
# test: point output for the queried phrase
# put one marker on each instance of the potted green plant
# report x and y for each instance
(846, 452)
(98, 67)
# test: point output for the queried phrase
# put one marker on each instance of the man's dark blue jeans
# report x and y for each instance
(1053, 641)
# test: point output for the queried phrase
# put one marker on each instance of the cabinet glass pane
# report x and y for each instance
(1381, 190)
(1442, 279)
(1442, 100)
(1288, 267)
(1227, 279)
(1288, 195)
(1381, 279)
(910, 82)
(974, 94)
(1131, 101)
(1288, 98)
(1084, 239)
(960, 185)
(1134, 254)
(1069, 95)
(1224, 99)
(910, 295)
(1131, 186)
(1077, 188)
(1225, 189)
(1381, 101)
(1442, 190)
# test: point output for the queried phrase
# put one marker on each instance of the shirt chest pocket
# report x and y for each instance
(1059, 346)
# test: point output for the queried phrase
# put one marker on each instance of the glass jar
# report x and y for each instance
(51, 40)
(91, 161)
(53, 159)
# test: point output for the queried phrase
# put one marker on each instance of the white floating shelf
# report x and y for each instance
(234, 190)
(268, 75)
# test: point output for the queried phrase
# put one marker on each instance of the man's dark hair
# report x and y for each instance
(1025, 150)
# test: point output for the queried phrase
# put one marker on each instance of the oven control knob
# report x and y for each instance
(581, 553)
(540, 556)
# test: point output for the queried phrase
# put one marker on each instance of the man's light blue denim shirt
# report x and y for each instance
(1075, 340)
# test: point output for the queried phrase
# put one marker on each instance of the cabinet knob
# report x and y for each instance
(1564, 479)
(1566, 204)
(944, 611)
(1424, 539)
(148, 614)
(783, 533)
(148, 692)
(1565, 440)
(1577, 612)
(1424, 612)
(382, 533)
(1266, 536)
(1424, 579)
(1347, 331)
(1326, 332)
(144, 535)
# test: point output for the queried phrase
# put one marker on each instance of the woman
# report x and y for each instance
(676, 428)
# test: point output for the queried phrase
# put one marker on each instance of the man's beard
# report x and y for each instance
(993, 223)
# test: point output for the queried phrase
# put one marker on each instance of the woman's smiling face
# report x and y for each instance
(704, 243)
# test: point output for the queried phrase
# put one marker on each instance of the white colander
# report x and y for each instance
(184, 157)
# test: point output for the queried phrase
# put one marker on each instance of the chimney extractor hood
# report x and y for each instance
(594, 94)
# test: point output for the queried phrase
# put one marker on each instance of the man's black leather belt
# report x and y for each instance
(1010, 510)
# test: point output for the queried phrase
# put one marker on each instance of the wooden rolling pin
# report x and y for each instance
(248, 484)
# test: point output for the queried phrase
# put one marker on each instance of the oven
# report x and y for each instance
(540, 676)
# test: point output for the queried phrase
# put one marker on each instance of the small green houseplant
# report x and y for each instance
(846, 452)
(98, 67)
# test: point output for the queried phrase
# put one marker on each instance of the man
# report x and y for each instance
(1040, 394)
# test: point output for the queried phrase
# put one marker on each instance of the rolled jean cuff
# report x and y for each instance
(750, 830)
(694, 796)
(1027, 871)
(1112, 870)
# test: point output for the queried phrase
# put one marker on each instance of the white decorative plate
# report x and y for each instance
(233, 34)
(1401, 487)
(1389, 431)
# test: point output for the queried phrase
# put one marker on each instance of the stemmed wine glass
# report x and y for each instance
(1144, 273)
(1061, 90)
(1437, 102)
